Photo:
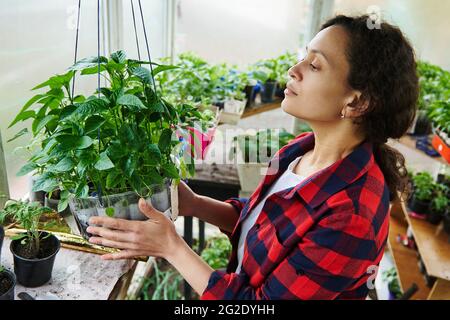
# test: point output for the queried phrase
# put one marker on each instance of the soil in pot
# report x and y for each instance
(31, 269)
(7, 285)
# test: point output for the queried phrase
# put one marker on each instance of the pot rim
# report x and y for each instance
(58, 247)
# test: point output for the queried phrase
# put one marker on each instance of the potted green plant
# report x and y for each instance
(423, 193)
(252, 152)
(7, 284)
(284, 63)
(105, 151)
(439, 204)
(439, 113)
(265, 72)
(34, 251)
(390, 276)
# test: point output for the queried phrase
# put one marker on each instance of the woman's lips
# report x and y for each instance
(289, 92)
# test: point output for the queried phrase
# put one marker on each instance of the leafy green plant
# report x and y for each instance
(434, 84)
(284, 62)
(119, 139)
(424, 186)
(162, 285)
(28, 215)
(217, 252)
(265, 70)
(440, 201)
(439, 114)
(390, 276)
(262, 145)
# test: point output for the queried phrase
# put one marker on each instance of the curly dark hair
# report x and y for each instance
(383, 67)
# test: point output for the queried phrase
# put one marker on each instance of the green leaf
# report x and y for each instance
(19, 134)
(164, 140)
(130, 166)
(153, 154)
(88, 63)
(119, 56)
(38, 124)
(142, 73)
(162, 68)
(22, 116)
(170, 171)
(131, 101)
(57, 81)
(116, 150)
(45, 183)
(62, 204)
(104, 163)
(112, 179)
(67, 112)
(93, 123)
(109, 212)
(19, 236)
(158, 107)
(90, 107)
(27, 169)
(64, 165)
(71, 142)
(93, 70)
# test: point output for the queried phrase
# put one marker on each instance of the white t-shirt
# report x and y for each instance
(287, 180)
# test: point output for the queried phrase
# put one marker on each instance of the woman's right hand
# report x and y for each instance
(187, 200)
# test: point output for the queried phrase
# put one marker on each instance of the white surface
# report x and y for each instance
(76, 275)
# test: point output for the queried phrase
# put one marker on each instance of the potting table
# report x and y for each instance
(79, 276)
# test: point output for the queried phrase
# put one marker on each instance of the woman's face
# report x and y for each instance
(318, 89)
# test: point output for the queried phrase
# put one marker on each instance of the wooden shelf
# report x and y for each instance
(405, 259)
(411, 143)
(261, 108)
(433, 244)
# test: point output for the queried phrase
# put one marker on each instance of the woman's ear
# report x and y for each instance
(356, 106)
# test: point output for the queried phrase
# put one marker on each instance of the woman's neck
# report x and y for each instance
(333, 143)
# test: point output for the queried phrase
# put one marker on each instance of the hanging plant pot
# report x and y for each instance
(268, 91)
(7, 285)
(419, 206)
(35, 271)
(124, 206)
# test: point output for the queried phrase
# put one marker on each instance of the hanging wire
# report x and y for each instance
(148, 50)
(135, 31)
(99, 187)
(76, 47)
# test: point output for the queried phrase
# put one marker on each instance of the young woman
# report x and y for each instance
(317, 228)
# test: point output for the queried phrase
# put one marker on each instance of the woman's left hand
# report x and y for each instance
(154, 237)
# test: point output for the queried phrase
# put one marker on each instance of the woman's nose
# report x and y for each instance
(294, 72)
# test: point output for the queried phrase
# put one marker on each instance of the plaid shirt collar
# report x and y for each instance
(320, 186)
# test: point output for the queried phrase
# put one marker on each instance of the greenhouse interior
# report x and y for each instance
(225, 150)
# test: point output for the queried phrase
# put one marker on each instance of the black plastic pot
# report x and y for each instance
(434, 217)
(419, 206)
(250, 94)
(34, 272)
(8, 295)
(279, 93)
(2, 236)
(446, 219)
(53, 204)
(423, 124)
(268, 92)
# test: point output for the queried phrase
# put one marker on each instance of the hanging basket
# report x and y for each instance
(163, 198)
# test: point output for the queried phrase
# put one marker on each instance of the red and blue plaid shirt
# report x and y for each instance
(322, 239)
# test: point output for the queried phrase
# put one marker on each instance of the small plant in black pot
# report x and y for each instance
(7, 284)
(265, 72)
(390, 276)
(439, 205)
(423, 193)
(34, 251)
